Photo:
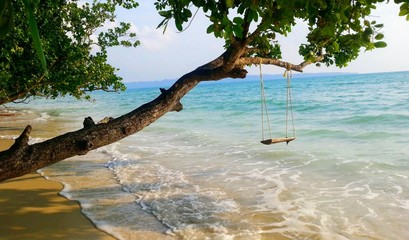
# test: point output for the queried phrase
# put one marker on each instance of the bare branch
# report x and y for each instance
(22, 141)
(272, 61)
(88, 122)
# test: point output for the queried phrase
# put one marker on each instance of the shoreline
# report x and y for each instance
(34, 209)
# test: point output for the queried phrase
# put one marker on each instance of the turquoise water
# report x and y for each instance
(202, 173)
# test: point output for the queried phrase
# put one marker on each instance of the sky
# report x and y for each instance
(172, 54)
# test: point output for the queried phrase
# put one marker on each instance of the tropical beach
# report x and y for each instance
(295, 120)
(31, 208)
(344, 177)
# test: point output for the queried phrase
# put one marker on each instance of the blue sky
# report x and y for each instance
(170, 55)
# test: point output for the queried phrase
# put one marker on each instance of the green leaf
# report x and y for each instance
(380, 44)
(241, 8)
(187, 13)
(379, 36)
(210, 29)
(238, 31)
(238, 20)
(404, 9)
(164, 24)
(166, 14)
(367, 11)
(226, 21)
(228, 31)
(179, 25)
(252, 15)
(328, 30)
(35, 35)
(229, 3)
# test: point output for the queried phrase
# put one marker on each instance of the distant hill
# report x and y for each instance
(168, 82)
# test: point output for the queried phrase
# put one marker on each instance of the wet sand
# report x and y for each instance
(30, 208)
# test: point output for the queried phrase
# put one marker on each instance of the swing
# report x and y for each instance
(265, 116)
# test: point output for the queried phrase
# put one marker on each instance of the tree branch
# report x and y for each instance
(23, 158)
(22, 141)
(29, 158)
(272, 61)
(256, 32)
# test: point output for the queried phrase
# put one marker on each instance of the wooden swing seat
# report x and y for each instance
(277, 140)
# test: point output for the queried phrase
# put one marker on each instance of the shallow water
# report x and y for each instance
(202, 173)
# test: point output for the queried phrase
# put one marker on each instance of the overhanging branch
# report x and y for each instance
(23, 158)
(272, 61)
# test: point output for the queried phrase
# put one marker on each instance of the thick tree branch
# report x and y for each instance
(23, 158)
(272, 61)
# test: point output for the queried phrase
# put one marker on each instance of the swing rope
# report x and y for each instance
(264, 108)
(289, 103)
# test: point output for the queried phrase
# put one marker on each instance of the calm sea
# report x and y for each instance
(203, 174)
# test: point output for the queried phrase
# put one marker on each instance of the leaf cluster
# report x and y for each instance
(75, 42)
(338, 29)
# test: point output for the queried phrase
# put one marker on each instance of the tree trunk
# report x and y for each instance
(23, 158)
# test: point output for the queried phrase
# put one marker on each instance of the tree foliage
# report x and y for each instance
(75, 42)
(77, 59)
(338, 30)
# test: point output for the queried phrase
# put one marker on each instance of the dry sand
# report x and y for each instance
(30, 208)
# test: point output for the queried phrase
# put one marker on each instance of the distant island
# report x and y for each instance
(168, 82)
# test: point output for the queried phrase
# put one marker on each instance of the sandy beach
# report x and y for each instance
(31, 208)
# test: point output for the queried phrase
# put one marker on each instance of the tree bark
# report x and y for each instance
(23, 158)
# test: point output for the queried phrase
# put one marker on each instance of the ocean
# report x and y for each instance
(202, 173)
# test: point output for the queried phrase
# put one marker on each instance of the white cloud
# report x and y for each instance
(152, 38)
